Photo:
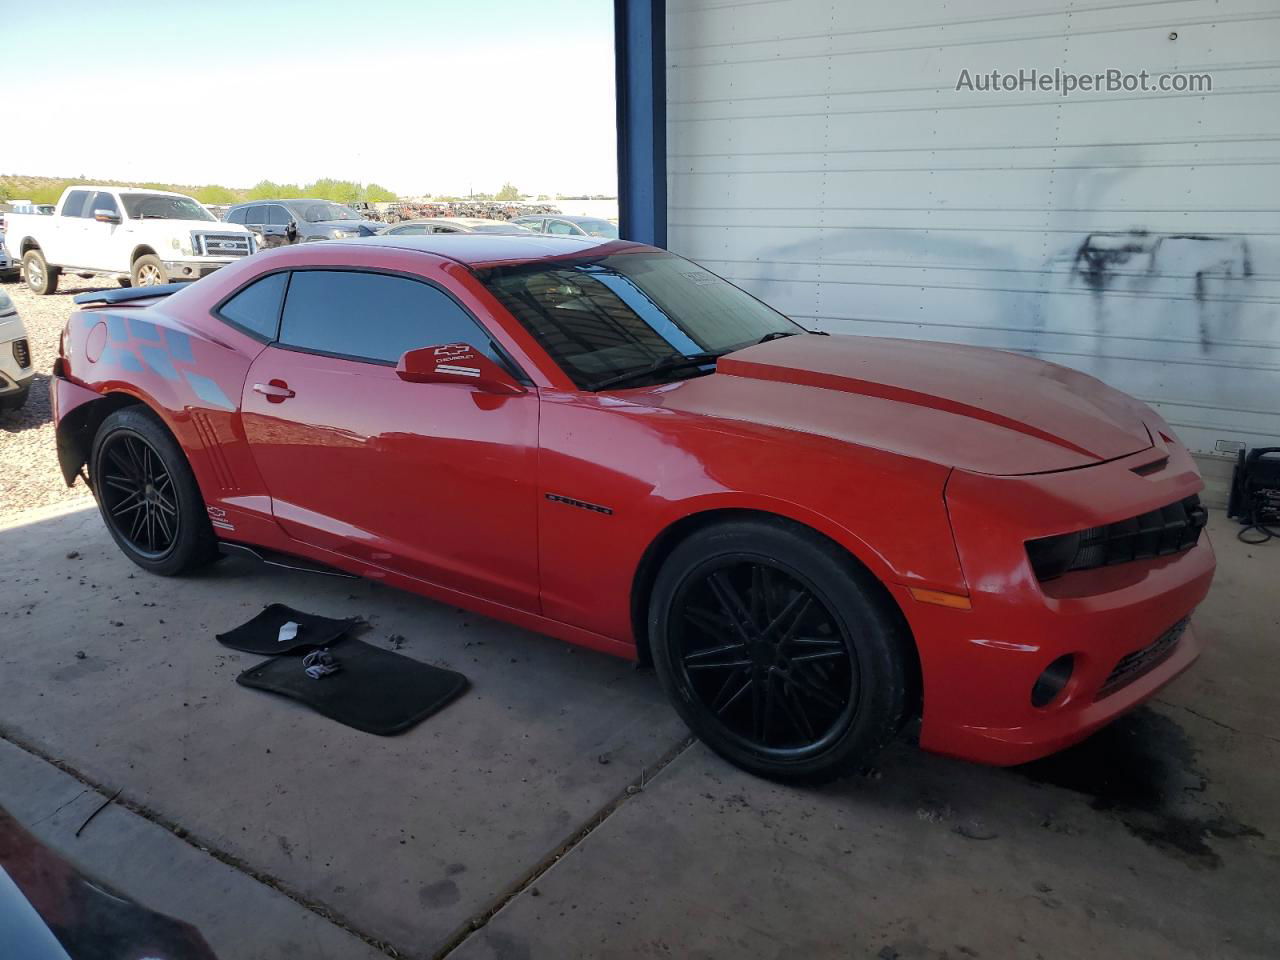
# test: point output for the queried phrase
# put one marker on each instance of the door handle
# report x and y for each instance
(277, 391)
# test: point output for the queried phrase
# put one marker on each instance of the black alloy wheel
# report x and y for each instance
(765, 657)
(779, 650)
(138, 495)
(148, 495)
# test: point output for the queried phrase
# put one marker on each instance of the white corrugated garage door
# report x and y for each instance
(820, 156)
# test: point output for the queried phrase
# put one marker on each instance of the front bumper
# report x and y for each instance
(979, 665)
(16, 370)
(196, 268)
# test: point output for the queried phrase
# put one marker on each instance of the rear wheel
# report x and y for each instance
(778, 650)
(41, 278)
(148, 271)
(148, 495)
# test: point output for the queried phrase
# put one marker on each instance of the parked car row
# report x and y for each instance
(140, 237)
(150, 237)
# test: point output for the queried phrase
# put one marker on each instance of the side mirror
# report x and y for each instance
(106, 216)
(456, 363)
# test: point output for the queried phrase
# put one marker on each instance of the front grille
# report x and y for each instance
(1133, 665)
(223, 244)
(22, 353)
(1170, 529)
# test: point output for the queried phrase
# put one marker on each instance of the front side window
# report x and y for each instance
(278, 216)
(158, 206)
(409, 229)
(562, 227)
(104, 201)
(373, 316)
(256, 308)
(608, 317)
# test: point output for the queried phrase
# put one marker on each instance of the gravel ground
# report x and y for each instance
(29, 474)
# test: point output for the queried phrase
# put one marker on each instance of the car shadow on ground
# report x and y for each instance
(36, 412)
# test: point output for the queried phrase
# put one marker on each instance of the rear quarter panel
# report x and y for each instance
(191, 379)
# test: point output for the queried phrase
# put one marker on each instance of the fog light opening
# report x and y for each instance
(1052, 681)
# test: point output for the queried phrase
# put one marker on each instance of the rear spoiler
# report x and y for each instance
(130, 293)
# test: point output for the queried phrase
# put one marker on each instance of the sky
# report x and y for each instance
(420, 96)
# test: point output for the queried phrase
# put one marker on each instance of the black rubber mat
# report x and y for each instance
(374, 690)
(261, 634)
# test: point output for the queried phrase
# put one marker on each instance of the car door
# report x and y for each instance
(102, 245)
(434, 481)
(275, 229)
(66, 241)
(255, 218)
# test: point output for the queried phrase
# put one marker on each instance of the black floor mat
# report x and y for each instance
(260, 635)
(375, 690)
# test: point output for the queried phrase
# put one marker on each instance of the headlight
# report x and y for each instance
(1053, 556)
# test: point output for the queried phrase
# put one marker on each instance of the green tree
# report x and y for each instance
(508, 192)
(339, 191)
(376, 193)
(264, 190)
(215, 193)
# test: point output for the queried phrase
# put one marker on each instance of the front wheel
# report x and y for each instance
(148, 271)
(148, 495)
(41, 278)
(778, 650)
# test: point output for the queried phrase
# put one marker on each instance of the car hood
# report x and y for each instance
(977, 409)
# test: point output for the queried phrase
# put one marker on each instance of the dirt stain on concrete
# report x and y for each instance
(443, 893)
(1141, 770)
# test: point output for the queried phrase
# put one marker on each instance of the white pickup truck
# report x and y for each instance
(141, 237)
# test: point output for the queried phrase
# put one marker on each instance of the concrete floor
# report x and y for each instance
(511, 824)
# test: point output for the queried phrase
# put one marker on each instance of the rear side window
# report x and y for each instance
(373, 316)
(75, 204)
(256, 308)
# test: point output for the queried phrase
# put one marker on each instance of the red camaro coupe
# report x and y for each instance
(814, 539)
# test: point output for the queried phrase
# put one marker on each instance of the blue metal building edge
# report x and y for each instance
(640, 38)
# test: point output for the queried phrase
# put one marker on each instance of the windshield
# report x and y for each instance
(318, 212)
(156, 206)
(599, 228)
(601, 318)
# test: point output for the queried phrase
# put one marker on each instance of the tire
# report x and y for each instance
(15, 401)
(763, 716)
(148, 271)
(41, 278)
(159, 524)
